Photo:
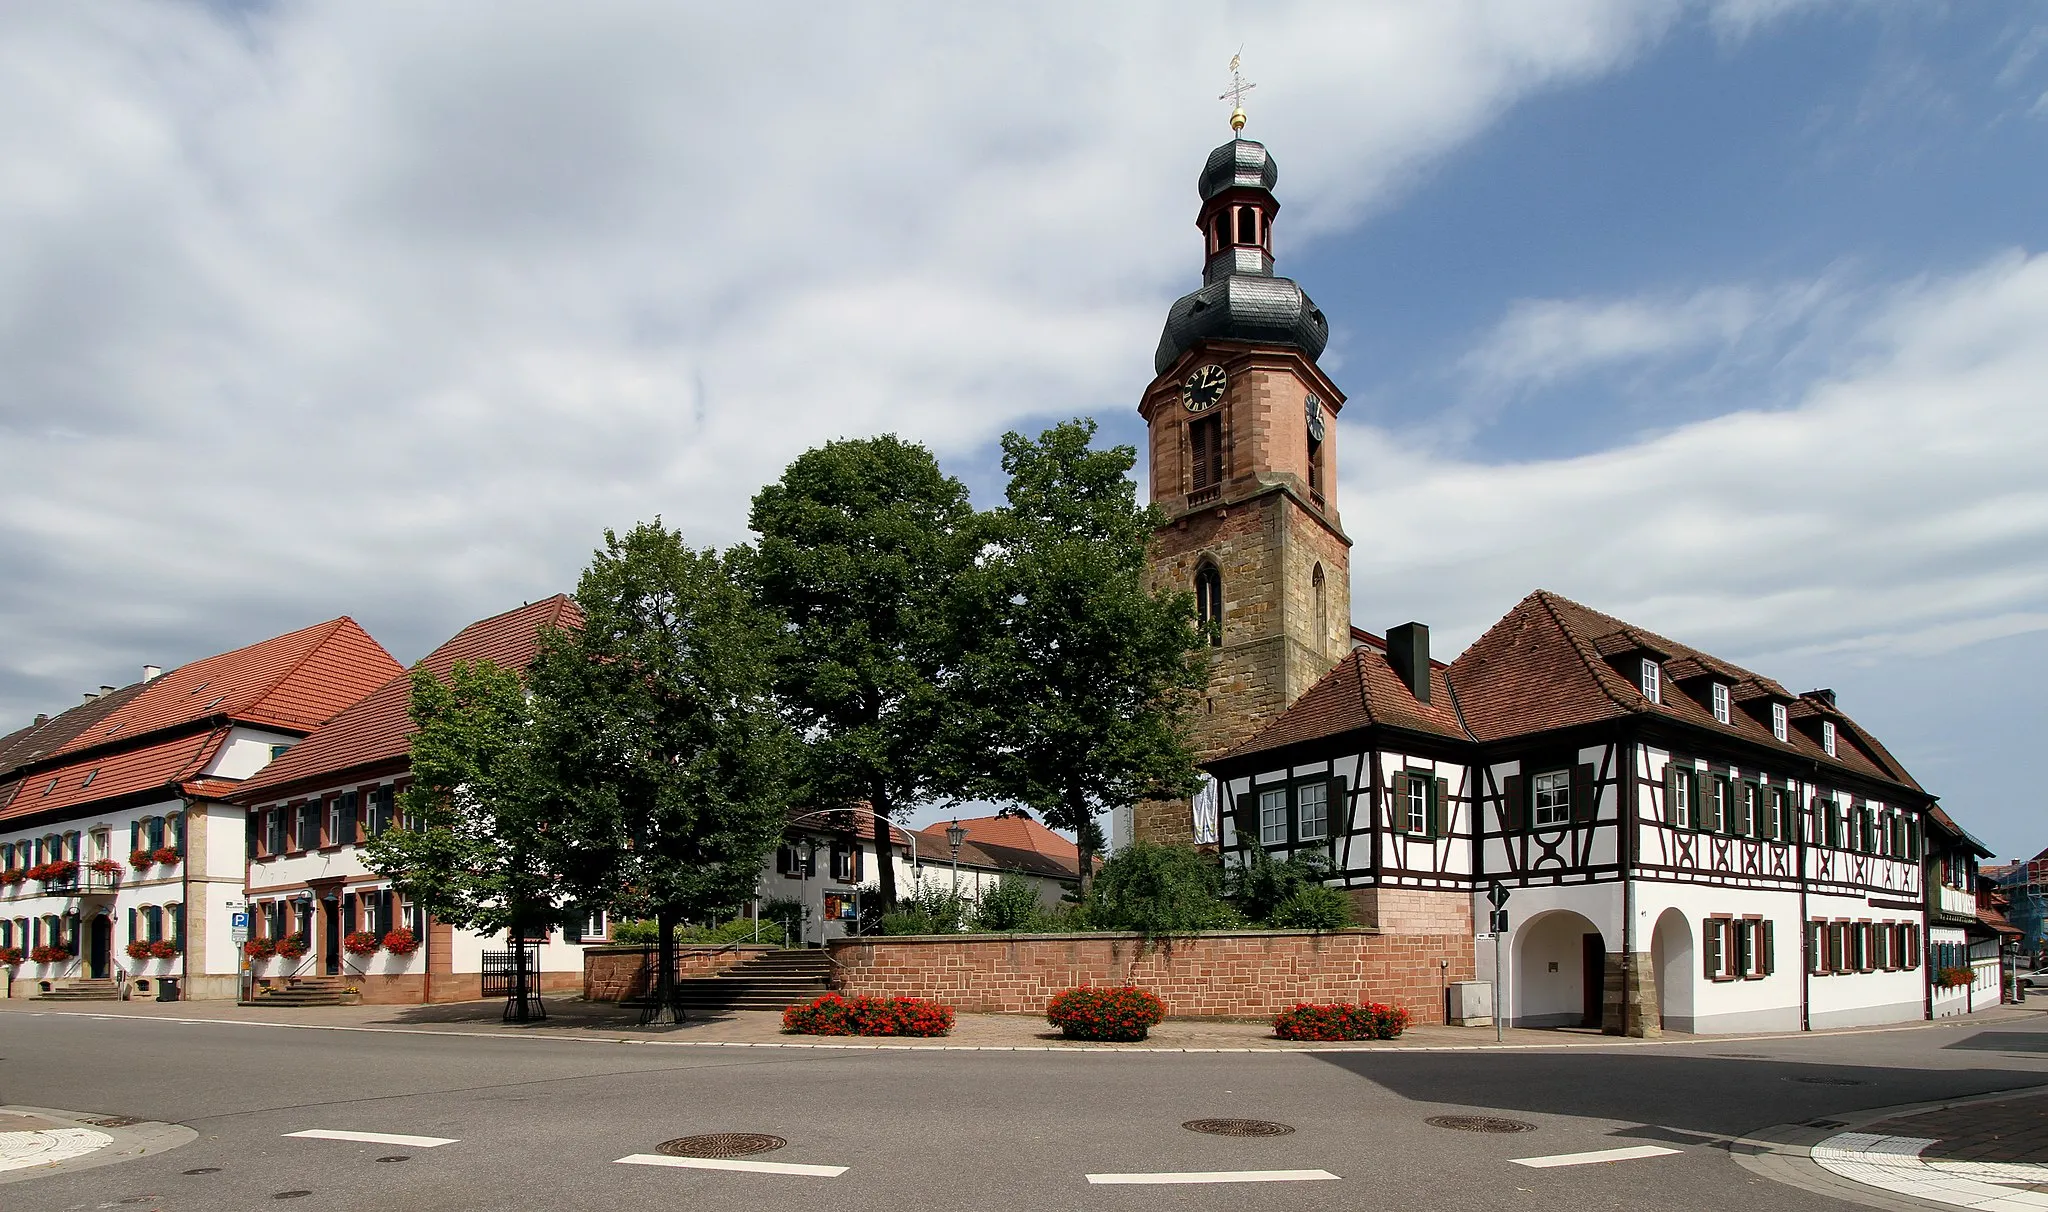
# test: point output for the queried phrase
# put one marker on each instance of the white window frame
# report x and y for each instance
(1652, 681)
(1720, 697)
(1781, 721)
(1320, 793)
(1272, 815)
(1417, 807)
(1557, 810)
(1827, 736)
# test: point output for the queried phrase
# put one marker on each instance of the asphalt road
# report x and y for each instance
(540, 1124)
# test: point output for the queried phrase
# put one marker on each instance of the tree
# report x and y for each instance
(860, 544)
(1075, 675)
(468, 851)
(663, 759)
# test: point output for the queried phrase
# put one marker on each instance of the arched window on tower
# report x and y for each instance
(1218, 237)
(1209, 602)
(1248, 225)
(1321, 614)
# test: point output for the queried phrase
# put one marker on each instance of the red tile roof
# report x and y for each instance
(1004, 844)
(25, 745)
(295, 682)
(378, 726)
(163, 766)
(1363, 691)
(1541, 667)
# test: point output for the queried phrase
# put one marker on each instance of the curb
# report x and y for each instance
(131, 1139)
(1784, 1152)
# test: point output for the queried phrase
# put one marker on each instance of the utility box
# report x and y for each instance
(1472, 1004)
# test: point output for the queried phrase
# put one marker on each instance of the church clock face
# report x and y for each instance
(1203, 389)
(1313, 406)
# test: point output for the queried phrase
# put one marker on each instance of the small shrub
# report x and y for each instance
(1259, 886)
(401, 942)
(1121, 1015)
(1312, 907)
(1160, 890)
(928, 910)
(362, 942)
(1012, 905)
(636, 934)
(1341, 1021)
(836, 1015)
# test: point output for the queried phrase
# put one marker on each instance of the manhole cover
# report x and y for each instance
(1479, 1123)
(205, 1170)
(721, 1144)
(1238, 1127)
(1830, 1081)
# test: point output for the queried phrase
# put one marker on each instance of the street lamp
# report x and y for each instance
(956, 833)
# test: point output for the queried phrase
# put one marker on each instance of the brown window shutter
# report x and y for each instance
(1768, 949)
(1439, 792)
(1710, 948)
(1399, 815)
(1696, 791)
(1514, 807)
(1582, 793)
(1671, 797)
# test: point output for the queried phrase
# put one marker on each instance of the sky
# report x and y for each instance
(1723, 317)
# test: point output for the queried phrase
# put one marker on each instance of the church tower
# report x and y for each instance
(1243, 439)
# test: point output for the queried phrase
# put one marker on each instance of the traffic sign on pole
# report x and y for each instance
(1497, 895)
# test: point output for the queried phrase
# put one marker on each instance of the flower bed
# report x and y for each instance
(259, 948)
(835, 1015)
(401, 942)
(1340, 1021)
(49, 955)
(362, 942)
(10, 956)
(1121, 1015)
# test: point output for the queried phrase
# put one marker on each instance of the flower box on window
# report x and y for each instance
(141, 860)
(259, 948)
(401, 942)
(362, 942)
(49, 955)
(165, 855)
(292, 946)
(138, 949)
(106, 866)
(164, 948)
(10, 956)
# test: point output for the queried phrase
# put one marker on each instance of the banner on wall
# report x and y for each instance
(1203, 806)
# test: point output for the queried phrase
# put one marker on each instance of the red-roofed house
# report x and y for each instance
(121, 855)
(310, 808)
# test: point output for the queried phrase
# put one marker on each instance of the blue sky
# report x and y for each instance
(1723, 316)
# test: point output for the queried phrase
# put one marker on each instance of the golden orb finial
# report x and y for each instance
(1237, 118)
(1238, 88)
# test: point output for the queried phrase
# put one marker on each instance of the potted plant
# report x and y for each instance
(259, 948)
(292, 946)
(58, 872)
(138, 948)
(106, 866)
(164, 948)
(11, 956)
(401, 942)
(361, 942)
(166, 855)
(13, 875)
(47, 954)
(141, 860)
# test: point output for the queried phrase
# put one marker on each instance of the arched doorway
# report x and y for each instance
(1560, 967)
(99, 948)
(1671, 956)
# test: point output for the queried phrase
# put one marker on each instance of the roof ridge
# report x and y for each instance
(332, 626)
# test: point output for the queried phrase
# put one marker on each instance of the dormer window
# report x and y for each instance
(1780, 721)
(1827, 736)
(1652, 681)
(1720, 697)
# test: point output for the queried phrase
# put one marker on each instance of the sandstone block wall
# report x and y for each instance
(1235, 974)
(1413, 910)
(612, 974)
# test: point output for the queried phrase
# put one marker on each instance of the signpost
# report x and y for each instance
(1497, 922)
(238, 923)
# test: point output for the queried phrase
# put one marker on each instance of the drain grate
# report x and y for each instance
(1830, 1081)
(1479, 1123)
(111, 1121)
(721, 1144)
(396, 1157)
(204, 1170)
(1238, 1127)
(291, 1195)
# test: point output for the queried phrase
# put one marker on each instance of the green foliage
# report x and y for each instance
(1074, 675)
(739, 930)
(1160, 890)
(663, 754)
(1261, 886)
(468, 851)
(1010, 907)
(928, 910)
(861, 544)
(635, 934)
(1315, 907)
(1341, 1021)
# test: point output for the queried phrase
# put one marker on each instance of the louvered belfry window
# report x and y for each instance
(1205, 454)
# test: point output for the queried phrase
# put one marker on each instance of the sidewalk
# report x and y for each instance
(571, 1018)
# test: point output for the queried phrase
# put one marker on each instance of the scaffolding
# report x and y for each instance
(2025, 886)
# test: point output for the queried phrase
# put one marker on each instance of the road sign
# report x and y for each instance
(1498, 895)
(239, 923)
(1499, 924)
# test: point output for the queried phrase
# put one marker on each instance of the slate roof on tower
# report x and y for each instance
(379, 727)
(1362, 692)
(1549, 663)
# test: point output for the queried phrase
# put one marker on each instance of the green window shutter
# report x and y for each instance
(572, 925)
(133, 934)
(1399, 816)
(178, 924)
(1710, 948)
(1672, 815)
(1514, 807)
(1439, 792)
(1247, 820)
(1339, 808)
(1768, 948)
(135, 835)
(1583, 804)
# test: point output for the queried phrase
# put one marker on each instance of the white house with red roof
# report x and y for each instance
(120, 852)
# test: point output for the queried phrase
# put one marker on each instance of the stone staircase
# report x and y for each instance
(79, 989)
(771, 981)
(308, 991)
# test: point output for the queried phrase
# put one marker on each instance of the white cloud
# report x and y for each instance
(1542, 340)
(1899, 507)
(360, 307)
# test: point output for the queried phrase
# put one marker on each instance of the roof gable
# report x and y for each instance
(1363, 691)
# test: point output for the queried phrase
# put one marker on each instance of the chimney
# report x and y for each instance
(42, 718)
(1825, 696)
(151, 673)
(1408, 653)
(90, 695)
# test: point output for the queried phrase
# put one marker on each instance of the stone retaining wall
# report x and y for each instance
(612, 974)
(1215, 974)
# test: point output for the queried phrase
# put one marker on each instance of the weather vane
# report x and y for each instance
(1239, 86)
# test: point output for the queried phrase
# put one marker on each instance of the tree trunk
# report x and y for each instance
(665, 974)
(518, 932)
(1084, 841)
(885, 849)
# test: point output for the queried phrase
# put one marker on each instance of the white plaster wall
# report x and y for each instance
(1855, 999)
(1598, 903)
(1709, 1007)
(246, 751)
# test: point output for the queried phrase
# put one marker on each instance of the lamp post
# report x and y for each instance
(956, 833)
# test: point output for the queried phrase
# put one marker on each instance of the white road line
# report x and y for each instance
(1213, 1176)
(1596, 1156)
(375, 1138)
(719, 1163)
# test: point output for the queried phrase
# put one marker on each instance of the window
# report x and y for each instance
(1322, 609)
(1205, 457)
(1415, 806)
(1216, 240)
(1827, 736)
(309, 825)
(1652, 681)
(1720, 698)
(1864, 839)
(1209, 603)
(1746, 796)
(1714, 804)
(1248, 225)
(1858, 959)
(1881, 947)
(1738, 949)
(274, 827)
(1297, 813)
(381, 811)
(1419, 803)
(152, 923)
(1780, 724)
(1312, 812)
(1273, 817)
(1781, 813)
(278, 751)
(797, 862)
(1831, 824)
(1678, 792)
(174, 916)
(1838, 946)
(344, 829)
(846, 863)
(153, 832)
(1551, 798)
